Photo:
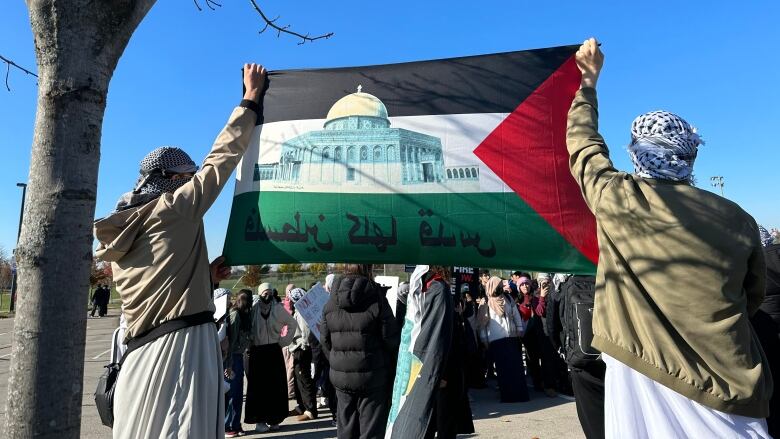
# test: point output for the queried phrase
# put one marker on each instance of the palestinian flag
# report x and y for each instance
(458, 161)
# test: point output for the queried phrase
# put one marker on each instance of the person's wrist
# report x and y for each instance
(588, 81)
(253, 95)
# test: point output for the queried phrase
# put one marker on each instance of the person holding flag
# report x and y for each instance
(673, 297)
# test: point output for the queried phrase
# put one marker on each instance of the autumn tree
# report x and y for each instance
(254, 275)
(318, 269)
(100, 272)
(78, 44)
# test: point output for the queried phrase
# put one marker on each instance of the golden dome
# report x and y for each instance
(358, 104)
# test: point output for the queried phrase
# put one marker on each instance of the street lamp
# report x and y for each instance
(18, 234)
(717, 181)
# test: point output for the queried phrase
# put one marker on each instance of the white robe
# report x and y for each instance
(639, 408)
(171, 388)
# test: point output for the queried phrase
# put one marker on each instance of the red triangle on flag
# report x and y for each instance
(527, 151)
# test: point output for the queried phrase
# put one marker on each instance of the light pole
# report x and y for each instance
(18, 234)
(717, 181)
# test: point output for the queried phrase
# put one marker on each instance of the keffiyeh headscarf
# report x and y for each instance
(156, 169)
(296, 294)
(664, 146)
(766, 237)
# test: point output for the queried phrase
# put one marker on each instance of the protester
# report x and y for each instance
(452, 411)
(300, 350)
(322, 368)
(423, 354)
(532, 307)
(766, 322)
(156, 244)
(585, 364)
(96, 300)
(680, 270)
(475, 354)
(500, 325)
(221, 300)
(266, 395)
(358, 332)
(288, 359)
(240, 337)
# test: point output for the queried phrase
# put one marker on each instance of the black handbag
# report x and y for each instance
(106, 385)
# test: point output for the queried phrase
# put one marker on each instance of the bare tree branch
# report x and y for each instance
(10, 64)
(209, 3)
(285, 29)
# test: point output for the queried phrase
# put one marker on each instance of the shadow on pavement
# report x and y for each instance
(485, 403)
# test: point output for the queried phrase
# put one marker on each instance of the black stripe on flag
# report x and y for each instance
(495, 83)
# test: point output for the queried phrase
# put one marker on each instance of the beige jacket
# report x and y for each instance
(269, 330)
(680, 270)
(158, 251)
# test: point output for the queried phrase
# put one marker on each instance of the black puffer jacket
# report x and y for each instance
(359, 335)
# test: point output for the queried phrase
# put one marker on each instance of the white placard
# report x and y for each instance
(392, 293)
(310, 307)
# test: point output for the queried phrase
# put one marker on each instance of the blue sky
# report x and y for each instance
(714, 63)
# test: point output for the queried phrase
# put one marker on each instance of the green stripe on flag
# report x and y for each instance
(477, 229)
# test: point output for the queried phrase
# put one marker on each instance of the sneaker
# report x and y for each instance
(262, 428)
(322, 402)
(306, 416)
(274, 427)
(232, 434)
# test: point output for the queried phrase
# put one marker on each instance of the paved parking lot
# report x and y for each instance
(542, 417)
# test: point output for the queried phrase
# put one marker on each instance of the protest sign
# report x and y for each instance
(392, 293)
(310, 307)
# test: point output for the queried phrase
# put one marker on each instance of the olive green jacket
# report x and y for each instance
(680, 270)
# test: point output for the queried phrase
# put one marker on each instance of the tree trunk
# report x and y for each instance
(77, 44)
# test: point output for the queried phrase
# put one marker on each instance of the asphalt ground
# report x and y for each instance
(542, 417)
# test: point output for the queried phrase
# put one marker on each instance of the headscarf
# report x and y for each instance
(156, 169)
(329, 282)
(664, 146)
(766, 237)
(296, 294)
(495, 300)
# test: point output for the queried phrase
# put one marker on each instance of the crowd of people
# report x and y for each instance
(675, 336)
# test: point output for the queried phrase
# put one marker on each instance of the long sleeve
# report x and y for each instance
(540, 307)
(194, 198)
(234, 332)
(325, 337)
(588, 154)
(755, 279)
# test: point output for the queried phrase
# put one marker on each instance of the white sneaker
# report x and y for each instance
(262, 428)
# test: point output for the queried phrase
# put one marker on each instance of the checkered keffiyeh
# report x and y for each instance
(296, 294)
(156, 169)
(664, 146)
(766, 237)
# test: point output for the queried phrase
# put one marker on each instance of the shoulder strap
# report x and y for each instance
(166, 328)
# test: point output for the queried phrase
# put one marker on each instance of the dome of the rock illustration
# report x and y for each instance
(358, 104)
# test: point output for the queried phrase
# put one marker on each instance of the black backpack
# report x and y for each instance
(576, 314)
